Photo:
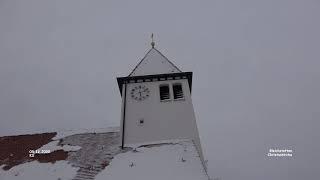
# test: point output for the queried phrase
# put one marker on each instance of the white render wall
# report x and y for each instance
(174, 119)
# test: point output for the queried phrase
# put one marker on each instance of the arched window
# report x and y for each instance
(164, 92)
(177, 91)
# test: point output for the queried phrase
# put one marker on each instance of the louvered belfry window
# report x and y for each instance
(164, 92)
(177, 91)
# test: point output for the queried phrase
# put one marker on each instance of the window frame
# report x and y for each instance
(169, 93)
(174, 92)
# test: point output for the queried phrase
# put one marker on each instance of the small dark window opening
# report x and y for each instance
(141, 121)
(164, 92)
(177, 91)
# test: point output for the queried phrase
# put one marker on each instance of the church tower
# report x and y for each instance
(156, 103)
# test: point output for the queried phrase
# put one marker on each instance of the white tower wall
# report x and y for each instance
(163, 120)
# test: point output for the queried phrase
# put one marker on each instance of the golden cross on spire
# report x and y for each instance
(152, 41)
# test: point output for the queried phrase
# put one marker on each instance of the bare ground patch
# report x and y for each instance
(14, 150)
(96, 153)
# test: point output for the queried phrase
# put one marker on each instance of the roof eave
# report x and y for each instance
(159, 77)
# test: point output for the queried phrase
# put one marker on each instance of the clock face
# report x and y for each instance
(140, 92)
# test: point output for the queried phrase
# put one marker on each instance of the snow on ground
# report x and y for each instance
(34, 170)
(53, 146)
(65, 133)
(99, 156)
(176, 161)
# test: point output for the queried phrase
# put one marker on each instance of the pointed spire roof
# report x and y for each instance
(154, 62)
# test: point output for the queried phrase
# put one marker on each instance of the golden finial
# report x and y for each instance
(152, 41)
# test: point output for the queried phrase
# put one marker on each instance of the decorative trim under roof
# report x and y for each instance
(155, 77)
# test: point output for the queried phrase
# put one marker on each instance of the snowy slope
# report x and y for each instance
(61, 170)
(99, 156)
(176, 161)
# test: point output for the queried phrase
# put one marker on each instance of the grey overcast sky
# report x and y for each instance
(256, 71)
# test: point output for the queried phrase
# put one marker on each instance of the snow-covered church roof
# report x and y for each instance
(154, 62)
(154, 65)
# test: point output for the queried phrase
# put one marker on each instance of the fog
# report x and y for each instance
(256, 72)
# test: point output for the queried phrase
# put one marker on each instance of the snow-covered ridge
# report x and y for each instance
(63, 133)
